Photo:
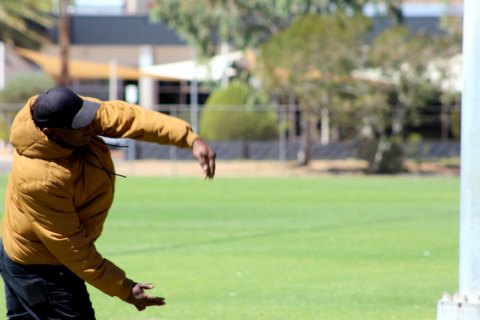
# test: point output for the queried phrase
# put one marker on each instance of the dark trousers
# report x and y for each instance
(43, 292)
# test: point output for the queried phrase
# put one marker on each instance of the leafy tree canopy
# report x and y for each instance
(21, 21)
(244, 23)
(314, 53)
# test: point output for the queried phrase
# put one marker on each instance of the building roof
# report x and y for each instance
(212, 70)
(119, 30)
(82, 70)
(139, 30)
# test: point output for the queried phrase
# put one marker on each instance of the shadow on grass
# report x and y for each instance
(222, 240)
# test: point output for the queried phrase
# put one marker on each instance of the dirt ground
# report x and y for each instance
(270, 168)
(242, 168)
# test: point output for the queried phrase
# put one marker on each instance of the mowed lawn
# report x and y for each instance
(284, 248)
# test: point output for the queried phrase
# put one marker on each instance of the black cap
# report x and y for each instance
(60, 107)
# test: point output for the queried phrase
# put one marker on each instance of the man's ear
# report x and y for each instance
(49, 132)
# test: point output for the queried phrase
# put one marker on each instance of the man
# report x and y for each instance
(59, 192)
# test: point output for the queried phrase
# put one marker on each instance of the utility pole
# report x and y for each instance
(465, 305)
(113, 81)
(194, 91)
(2, 65)
(64, 43)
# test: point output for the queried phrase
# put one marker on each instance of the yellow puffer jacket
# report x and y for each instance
(57, 199)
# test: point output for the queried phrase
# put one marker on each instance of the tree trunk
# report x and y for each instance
(398, 121)
(305, 153)
(444, 123)
(325, 131)
(382, 146)
(64, 42)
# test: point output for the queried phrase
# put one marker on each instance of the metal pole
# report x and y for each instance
(282, 133)
(113, 81)
(194, 93)
(146, 84)
(225, 50)
(466, 304)
(2, 65)
(172, 149)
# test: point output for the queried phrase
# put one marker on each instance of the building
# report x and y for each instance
(118, 35)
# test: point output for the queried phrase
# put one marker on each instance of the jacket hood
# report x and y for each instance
(28, 140)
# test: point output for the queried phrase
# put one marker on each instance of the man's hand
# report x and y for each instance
(141, 300)
(206, 156)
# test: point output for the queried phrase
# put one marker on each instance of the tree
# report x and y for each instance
(313, 58)
(450, 97)
(232, 113)
(22, 22)
(64, 42)
(17, 90)
(403, 61)
(251, 23)
(241, 23)
(23, 86)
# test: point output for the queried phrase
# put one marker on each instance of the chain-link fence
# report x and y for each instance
(428, 142)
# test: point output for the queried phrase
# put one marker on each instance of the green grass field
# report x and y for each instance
(284, 248)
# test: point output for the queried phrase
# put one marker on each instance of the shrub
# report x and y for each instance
(230, 114)
(391, 155)
(392, 161)
(21, 87)
(17, 90)
(456, 123)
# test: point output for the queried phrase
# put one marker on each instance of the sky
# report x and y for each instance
(104, 3)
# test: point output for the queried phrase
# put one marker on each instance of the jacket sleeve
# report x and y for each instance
(117, 119)
(55, 222)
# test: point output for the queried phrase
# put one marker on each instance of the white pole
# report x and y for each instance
(194, 92)
(146, 84)
(225, 50)
(469, 284)
(2, 65)
(113, 81)
(466, 304)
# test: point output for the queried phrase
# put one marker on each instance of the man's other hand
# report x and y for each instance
(206, 156)
(141, 300)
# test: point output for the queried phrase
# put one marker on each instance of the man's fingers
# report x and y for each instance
(207, 172)
(204, 164)
(147, 286)
(207, 163)
(152, 299)
(212, 166)
(149, 301)
(205, 156)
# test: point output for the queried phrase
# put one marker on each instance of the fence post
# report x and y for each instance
(172, 149)
(2, 65)
(194, 92)
(282, 133)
